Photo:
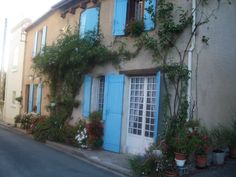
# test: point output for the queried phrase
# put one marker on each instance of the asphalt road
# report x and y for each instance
(20, 156)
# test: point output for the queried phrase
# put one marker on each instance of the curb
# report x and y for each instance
(75, 152)
(82, 156)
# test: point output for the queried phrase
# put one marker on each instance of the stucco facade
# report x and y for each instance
(15, 70)
(213, 87)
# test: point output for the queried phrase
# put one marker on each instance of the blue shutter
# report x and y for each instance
(44, 36)
(148, 19)
(89, 20)
(112, 111)
(119, 21)
(35, 43)
(39, 98)
(92, 19)
(87, 95)
(158, 89)
(31, 97)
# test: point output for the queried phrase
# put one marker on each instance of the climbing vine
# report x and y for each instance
(65, 62)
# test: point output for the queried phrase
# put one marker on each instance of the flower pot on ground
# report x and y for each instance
(233, 152)
(201, 161)
(218, 157)
(220, 141)
(170, 173)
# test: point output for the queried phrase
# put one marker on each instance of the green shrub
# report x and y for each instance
(219, 138)
(17, 119)
(143, 165)
(26, 121)
(232, 132)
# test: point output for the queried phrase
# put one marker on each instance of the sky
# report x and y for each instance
(15, 11)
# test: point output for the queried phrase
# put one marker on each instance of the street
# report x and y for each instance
(20, 156)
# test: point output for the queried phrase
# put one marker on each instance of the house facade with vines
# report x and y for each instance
(129, 96)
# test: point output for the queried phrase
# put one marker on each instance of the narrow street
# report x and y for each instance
(21, 156)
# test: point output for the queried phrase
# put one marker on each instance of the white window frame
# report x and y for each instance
(143, 129)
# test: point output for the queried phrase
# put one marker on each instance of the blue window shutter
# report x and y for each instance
(148, 18)
(87, 95)
(39, 98)
(119, 21)
(35, 43)
(31, 98)
(158, 89)
(89, 20)
(112, 111)
(44, 36)
(92, 19)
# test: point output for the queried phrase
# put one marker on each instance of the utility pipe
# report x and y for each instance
(190, 56)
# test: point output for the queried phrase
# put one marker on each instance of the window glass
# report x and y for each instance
(101, 93)
(89, 20)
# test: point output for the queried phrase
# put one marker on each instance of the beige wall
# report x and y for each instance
(55, 25)
(14, 72)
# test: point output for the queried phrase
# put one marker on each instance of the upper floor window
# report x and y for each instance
(89, 20)
(39, 40)
(15, 58)
(135, 10)
(127, 10)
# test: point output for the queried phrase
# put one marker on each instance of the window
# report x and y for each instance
(15, 58)
(142, 106)
(101, 93)
(13, 97)
(39, 40)
(135, 10)
(89, 20)
(126, 10)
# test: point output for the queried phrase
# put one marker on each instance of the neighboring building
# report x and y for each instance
(129, 97)
(15, 71)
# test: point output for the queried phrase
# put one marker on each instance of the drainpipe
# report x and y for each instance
(190, 56)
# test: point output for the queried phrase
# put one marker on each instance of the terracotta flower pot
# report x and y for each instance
(201, 161)
(171, 173)
(233, 152)
(180, 156)
(180, 159)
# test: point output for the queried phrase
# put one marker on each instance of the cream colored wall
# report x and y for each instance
(14, 75)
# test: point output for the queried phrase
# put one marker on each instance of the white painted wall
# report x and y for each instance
(216, 76)
(14, 72)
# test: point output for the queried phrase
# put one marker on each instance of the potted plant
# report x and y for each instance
(180, 144)
(232, 140)
(95, 131)
(219, 138)
(201, 148)
(134, 28)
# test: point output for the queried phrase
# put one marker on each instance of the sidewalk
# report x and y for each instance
(114, 162)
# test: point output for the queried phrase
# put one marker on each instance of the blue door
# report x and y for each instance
(39, 98)
(112, 112)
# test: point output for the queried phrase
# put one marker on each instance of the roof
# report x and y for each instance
(55, 7)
